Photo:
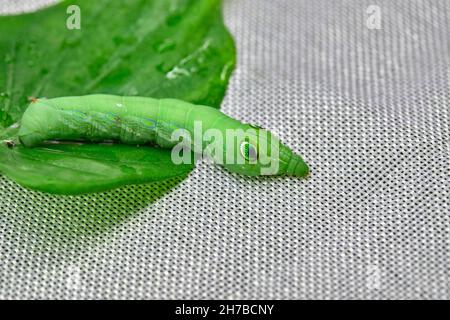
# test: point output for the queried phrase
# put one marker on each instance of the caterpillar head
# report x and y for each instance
(259, 152)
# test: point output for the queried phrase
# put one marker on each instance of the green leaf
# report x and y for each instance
(178, 49)
(72, 169)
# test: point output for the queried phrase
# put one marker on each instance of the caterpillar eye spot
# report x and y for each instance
(249, 151)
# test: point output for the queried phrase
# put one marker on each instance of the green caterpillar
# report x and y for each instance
(141, 121)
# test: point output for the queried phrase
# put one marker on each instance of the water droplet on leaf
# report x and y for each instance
(177, 72)
(164, 46)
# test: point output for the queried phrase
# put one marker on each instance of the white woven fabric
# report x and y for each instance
(369, 111)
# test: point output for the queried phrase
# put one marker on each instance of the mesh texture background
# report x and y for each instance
(369, 111)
